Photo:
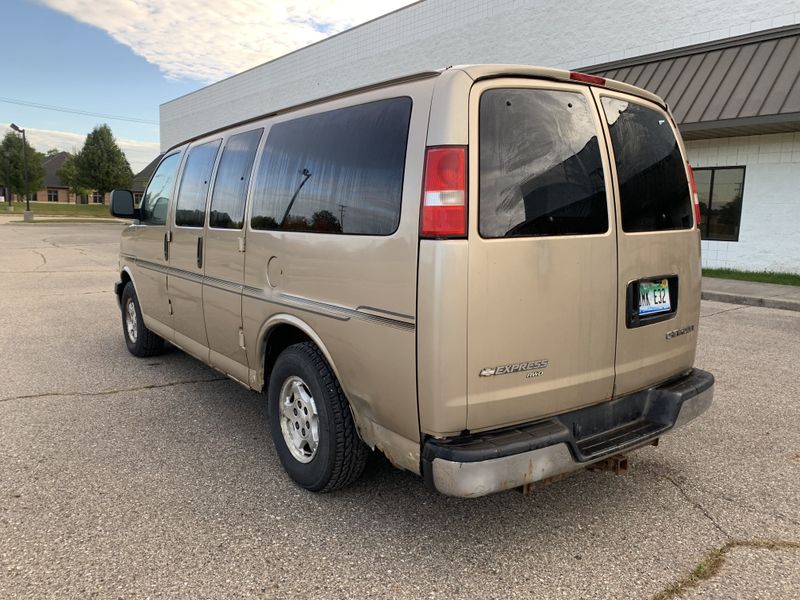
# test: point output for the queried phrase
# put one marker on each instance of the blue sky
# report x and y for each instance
(125, 57)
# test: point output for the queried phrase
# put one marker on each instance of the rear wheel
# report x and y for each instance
(312, 428)
(140, 340)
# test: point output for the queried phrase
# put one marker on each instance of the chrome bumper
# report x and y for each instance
(481, 477)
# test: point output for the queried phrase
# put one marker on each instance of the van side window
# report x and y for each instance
(339, 171)
(191, 207)
(233, 176)
(653, 188)
(541, 172)
(156, 199)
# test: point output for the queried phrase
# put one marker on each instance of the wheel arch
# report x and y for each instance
(126, 276)
(278, 333)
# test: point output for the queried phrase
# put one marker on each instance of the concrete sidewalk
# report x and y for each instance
(769, 295)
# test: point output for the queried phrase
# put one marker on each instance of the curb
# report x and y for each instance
(751, 300)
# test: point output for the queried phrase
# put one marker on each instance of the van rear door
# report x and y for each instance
(542, 292)
(658, 243)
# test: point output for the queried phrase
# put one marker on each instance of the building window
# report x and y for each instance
(52, 195)
(97, 198)
(137, 198)
(720, 194)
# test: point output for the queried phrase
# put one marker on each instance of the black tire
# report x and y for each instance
(340, 455)
(140, 340)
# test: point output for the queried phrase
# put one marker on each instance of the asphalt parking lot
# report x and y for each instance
(122, 477)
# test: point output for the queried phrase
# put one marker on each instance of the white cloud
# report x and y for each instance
(208, 40)
(139, 154)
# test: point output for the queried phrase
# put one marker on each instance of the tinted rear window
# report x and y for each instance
(540, 167)
(335, 172)
(654, 191)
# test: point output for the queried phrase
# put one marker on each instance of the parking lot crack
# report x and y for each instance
(722, 312)
(698, 506)
(111, 392)
(42, 256)
(713, 561)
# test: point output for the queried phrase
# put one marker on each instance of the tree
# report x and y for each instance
(12, 174)
(100, 164)
(323, 220)
(68, 173)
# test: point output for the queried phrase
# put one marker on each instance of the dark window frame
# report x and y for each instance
(263, 149)
(50, 193)
(704, 223)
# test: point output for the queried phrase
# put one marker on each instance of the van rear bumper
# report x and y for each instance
(480, 464)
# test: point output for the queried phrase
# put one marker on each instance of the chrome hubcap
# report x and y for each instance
(130, 321)
(299, 419)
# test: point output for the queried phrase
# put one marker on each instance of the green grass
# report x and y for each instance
(759, 276)
(60, 209)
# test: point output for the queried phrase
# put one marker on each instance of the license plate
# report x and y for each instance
(654, 297)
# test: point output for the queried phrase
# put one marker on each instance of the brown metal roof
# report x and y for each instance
(744, 85)
(142, 178)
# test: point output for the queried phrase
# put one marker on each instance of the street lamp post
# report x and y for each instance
(28, 214)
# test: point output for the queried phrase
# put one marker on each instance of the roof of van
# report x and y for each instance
(489, 71)
(475, 72)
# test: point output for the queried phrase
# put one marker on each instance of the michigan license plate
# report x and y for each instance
(654, 297)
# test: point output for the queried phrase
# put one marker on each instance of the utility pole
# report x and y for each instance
(6, 189)
(28, 214)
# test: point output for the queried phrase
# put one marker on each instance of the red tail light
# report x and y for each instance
(695, 198)
(586, 78)
(444, 193)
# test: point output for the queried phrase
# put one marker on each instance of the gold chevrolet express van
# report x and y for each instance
(489, 273)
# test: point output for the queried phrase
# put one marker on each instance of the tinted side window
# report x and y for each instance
(653, 189)
(191, 207)
(335, 172)
(159, 191)
(233, 177)
(541, 171)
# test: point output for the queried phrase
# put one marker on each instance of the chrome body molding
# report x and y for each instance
(325, 309)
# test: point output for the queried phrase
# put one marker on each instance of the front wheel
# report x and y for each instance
(140, 340)
(312, 428)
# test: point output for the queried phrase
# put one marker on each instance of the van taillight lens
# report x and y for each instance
(444, 193)
(586, 78)
(695, 198)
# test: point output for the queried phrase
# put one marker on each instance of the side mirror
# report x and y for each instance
(122, 204)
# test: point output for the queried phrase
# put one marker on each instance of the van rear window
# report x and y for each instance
(339, 171)
(541, 173)
(653, 189)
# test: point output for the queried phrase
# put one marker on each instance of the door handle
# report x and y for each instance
(166, 246)
(200, 252)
